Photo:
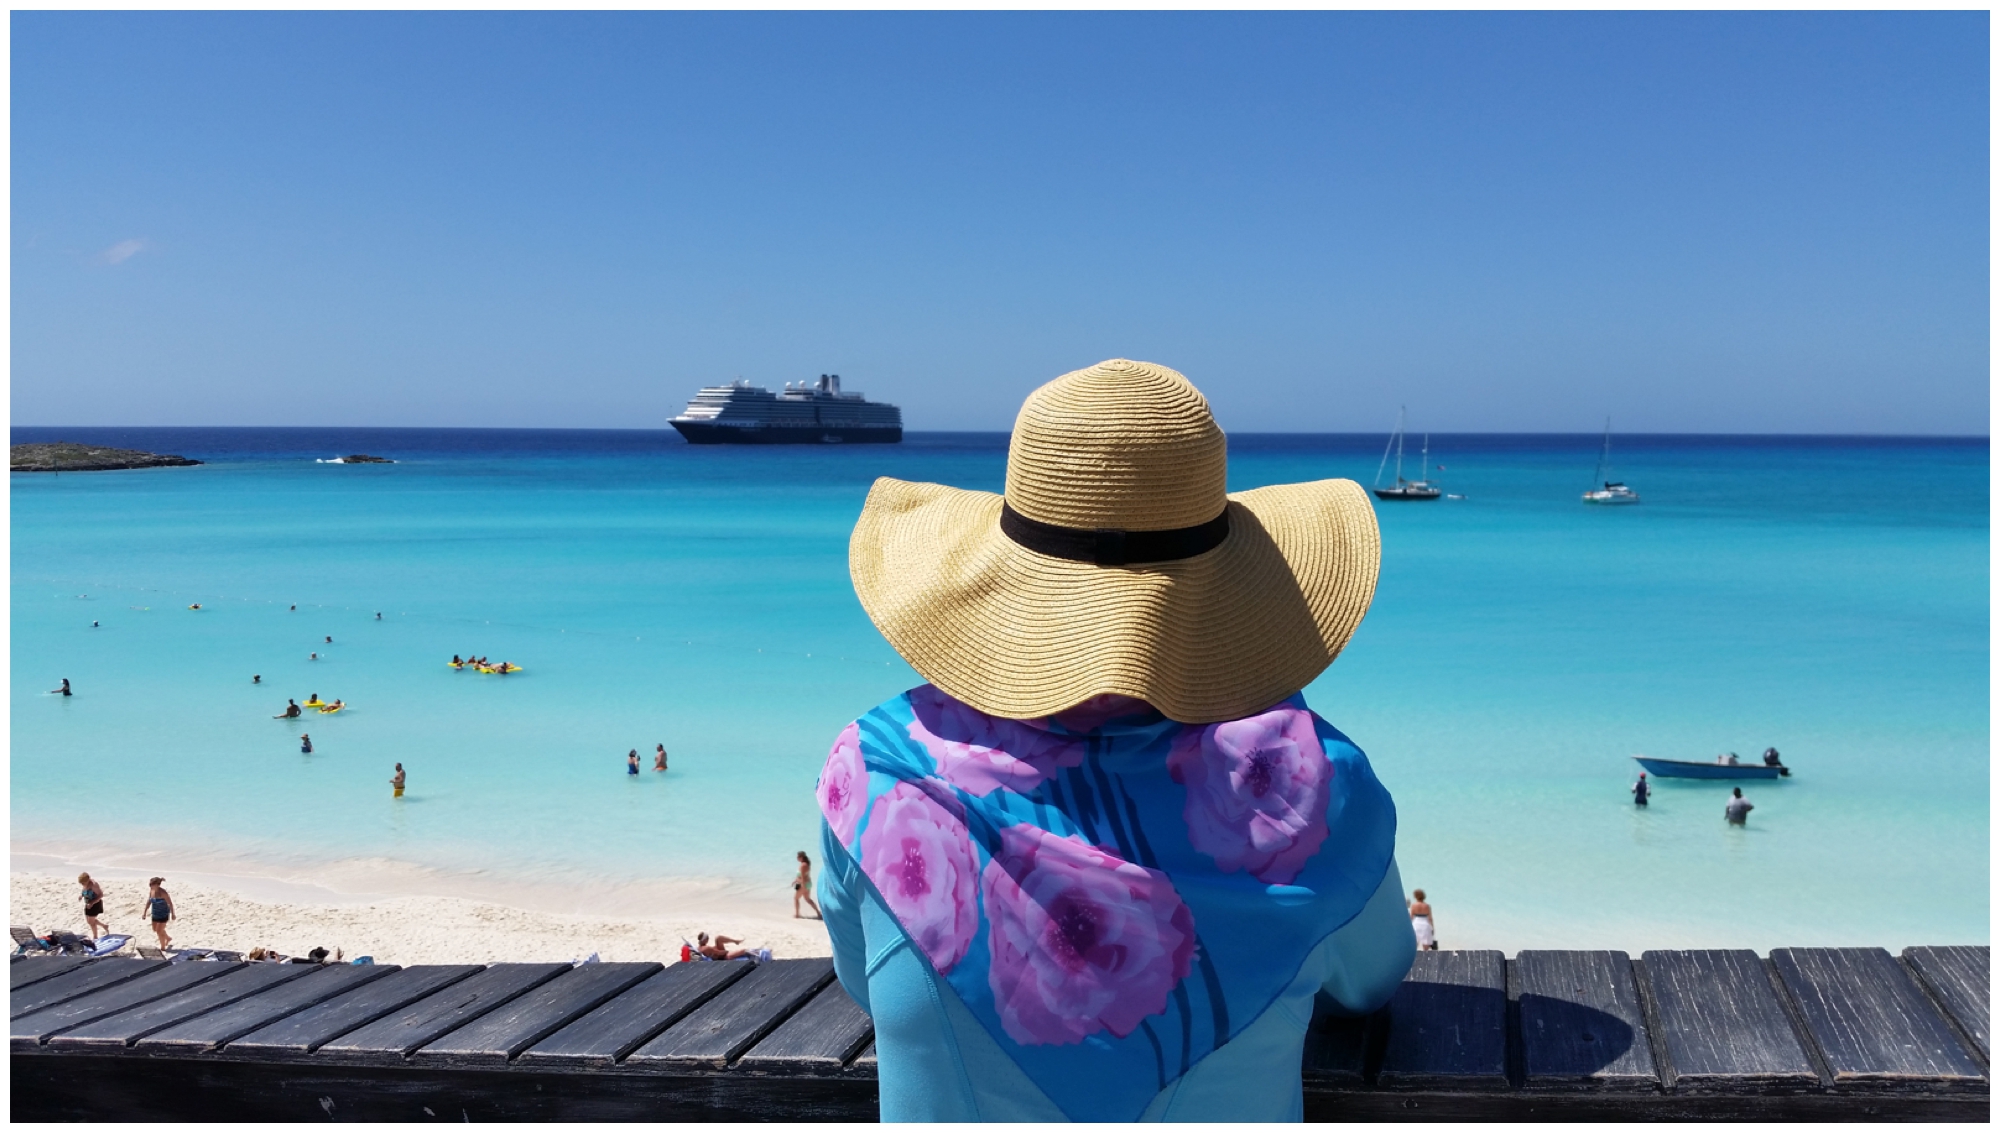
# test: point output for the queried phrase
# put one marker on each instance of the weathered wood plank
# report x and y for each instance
(818, 1039)
(127, 1027)
(1581, 1026)
(77, 981)
(614, 1030)
(726, 1026)
(1961, 978)
(43, 967)
(1448, 1024)
(1336, 1046)
(319, 984)
(864, 1063)
(36, 1028)
(299, 1034)
(1721, 1025)
(507, 1030)
(390, 1039)
(1873, 1025)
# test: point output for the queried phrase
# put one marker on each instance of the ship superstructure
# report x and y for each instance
(803, 413)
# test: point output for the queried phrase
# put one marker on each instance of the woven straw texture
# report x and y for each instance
(1019, 634)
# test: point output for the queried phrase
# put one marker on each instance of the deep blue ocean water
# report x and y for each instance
(1825, 595)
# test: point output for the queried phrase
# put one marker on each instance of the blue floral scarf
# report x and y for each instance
(1108, 879)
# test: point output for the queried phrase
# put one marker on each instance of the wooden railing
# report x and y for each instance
(1806, 1033)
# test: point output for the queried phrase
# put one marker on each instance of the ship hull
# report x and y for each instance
(708, 433)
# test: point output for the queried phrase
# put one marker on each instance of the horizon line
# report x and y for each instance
(1008, 432)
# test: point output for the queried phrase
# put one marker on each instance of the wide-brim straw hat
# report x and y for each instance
(1117, 562)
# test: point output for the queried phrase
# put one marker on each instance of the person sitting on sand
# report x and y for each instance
(159, 908)
(292, 710)
(93, 905)
(719, 950)
(802, 888)
(659, 757)
(64, 690)
(1099, 867)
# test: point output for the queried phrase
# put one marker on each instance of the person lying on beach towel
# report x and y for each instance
(719, 949)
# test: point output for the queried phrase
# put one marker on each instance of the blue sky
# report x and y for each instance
(1689, 222)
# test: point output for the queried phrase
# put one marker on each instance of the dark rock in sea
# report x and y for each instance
(64, 456)
(364, 458)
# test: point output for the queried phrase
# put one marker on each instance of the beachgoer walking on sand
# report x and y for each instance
(632, 762)
(802, 889)
(93, 905)
(159, 908)
(1640, 791)
(292, 710)
(397, 782)
(1422, 922)
(1098, 868)
(720, 949)
(305, 743)
(64, 690)
(1738, 808)
(659, 757)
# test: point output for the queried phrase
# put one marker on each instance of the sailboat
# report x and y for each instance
(1419, 489)
(1613, 491)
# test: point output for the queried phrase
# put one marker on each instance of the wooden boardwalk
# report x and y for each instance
(1805, 1033)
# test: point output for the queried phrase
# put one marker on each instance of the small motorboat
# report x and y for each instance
(1692, 769)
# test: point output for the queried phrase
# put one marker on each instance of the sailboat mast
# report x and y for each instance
(1400, 412)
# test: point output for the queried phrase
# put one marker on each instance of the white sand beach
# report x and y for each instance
(239, 912)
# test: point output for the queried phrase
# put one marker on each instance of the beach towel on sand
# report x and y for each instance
(1125, 886)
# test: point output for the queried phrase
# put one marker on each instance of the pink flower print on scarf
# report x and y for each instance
(843, 785)
(981, 753)
(920, 858)
(1256, 792)
(1082, 941)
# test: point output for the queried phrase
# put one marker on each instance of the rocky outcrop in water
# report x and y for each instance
(66, 456)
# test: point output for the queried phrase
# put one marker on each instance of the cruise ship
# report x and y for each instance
(804, 413)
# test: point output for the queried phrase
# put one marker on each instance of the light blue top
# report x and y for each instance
(937, 1063)
(1106, 914)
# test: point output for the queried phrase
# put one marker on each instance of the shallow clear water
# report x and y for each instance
(1827, 596)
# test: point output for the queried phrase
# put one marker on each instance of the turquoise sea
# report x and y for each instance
(1828, 596)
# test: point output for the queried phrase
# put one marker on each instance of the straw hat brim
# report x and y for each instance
(1019, 634)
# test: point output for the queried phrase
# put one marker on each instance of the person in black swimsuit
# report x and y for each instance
(64, 690)
(159, 907)
(93, 905)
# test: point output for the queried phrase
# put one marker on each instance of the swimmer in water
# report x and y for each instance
(313, 657)
(295, 609)
(257, 678)
(292, 711)
(334, 707)
(196, 606)
(329, 639)
(659, 757)
(93, 625)
(305, 743)
(378, 615)
(64, 690)
(397, 782)
(632, 762)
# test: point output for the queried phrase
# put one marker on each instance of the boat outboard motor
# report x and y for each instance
(1771, 757)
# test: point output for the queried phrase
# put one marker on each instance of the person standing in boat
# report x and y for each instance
(1737, 809)
(1098, 868)
(1640, 791)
